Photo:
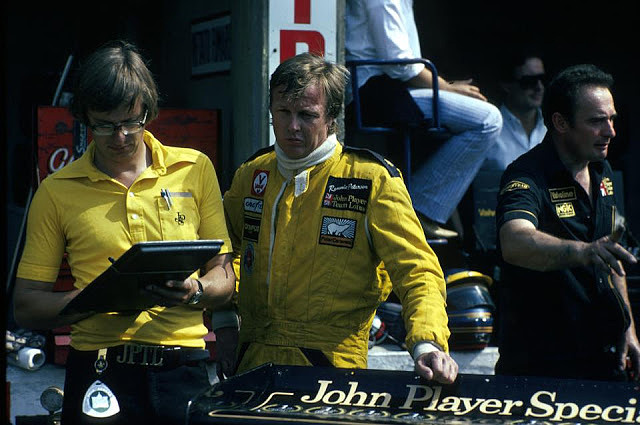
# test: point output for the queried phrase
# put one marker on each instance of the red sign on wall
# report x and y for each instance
(61, 139)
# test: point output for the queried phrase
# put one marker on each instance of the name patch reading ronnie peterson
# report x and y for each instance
(514, 185)
(347, 194)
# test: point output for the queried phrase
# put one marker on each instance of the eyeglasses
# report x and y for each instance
(127, 127)
(531, 81)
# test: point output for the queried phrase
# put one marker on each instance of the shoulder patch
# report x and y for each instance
(514, 185)
(260, 152)
(392, 169)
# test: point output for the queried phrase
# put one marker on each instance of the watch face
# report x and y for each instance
(196, 297)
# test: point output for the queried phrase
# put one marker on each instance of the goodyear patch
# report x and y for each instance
(565, 210)
(251, 229)
(563, 194)
(253, 205)
(259, 183)
(514, 185)
(606, 187)
(336, 231)
(347, 194)
(248, 258)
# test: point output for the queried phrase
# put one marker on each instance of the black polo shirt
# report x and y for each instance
(563, 319)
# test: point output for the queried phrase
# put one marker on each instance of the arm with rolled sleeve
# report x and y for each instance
(520, 205)
(36, 305)
(417, 277)
(524, 245)
(219, 278)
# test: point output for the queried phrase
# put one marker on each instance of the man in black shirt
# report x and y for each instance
(563, 305)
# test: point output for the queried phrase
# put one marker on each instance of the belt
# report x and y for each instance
(315, 357)
(155, 356)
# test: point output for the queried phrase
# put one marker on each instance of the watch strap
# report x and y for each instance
(195, 298)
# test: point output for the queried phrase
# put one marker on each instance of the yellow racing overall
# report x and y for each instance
(317, 257)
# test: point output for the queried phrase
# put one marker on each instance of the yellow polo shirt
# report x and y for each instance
(92, 217)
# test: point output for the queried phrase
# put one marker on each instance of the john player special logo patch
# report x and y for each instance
(347, 194)
(338, 231)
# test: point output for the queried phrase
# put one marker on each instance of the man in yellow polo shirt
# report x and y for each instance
(137, 367)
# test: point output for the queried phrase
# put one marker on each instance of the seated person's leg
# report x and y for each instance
(439, 183)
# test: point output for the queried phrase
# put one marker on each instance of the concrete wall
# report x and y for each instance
(182, 90)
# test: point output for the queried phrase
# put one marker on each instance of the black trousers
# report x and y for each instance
(146, 394)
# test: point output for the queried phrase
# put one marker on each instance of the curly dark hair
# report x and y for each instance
(561, 95)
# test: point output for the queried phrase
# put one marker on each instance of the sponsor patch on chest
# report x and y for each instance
(606, 187)
(565, 210)
(248, 258)
(251, 229)
(563, 194)
(336, 231)
(347, 194)
(253, 205)
(259, 183)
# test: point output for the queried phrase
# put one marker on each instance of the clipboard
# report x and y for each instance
(117, 289)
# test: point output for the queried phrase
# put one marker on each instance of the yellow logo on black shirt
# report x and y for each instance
(486, 212)
(563, 194)
(565, 210)
(514, 185)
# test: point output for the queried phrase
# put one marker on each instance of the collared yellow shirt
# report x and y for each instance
(84, 212)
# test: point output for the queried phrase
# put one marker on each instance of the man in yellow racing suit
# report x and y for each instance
(320, 232)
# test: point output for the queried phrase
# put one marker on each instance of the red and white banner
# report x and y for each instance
(298, 26)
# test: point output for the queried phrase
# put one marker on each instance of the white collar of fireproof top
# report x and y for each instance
(293, 167)
(299, 168)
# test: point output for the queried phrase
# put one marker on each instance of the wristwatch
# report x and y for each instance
(195, 298)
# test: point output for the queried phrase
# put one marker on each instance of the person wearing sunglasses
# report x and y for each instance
(124, 367)
(522, 85)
